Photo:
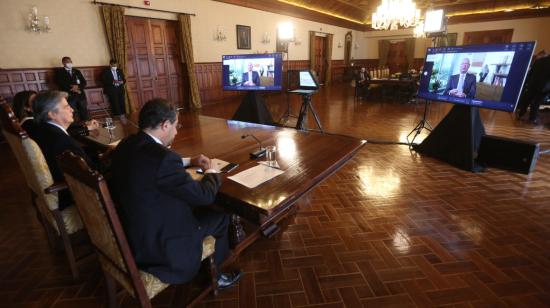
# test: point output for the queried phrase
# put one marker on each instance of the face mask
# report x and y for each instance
(69, 65)
(113, 68)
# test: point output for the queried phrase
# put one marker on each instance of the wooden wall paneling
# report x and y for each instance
(488, 37)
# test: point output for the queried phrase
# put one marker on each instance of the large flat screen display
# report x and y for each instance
(252, 72)
(488, 76)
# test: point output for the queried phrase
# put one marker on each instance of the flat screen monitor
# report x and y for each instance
(487, 76)
(261, 72)
(307, 81)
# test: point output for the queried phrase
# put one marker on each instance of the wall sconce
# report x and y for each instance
(356, 46)
(297, 42)
(339, 44)
(34, 22)
(265, 38)
(219, 35)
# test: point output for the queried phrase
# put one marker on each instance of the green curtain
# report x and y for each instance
(115, 29)
(328, 55)
(409, 51)
(312, 50)
(383, 49)
(186, 51)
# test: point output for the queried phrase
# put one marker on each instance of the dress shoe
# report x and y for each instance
(228, 280)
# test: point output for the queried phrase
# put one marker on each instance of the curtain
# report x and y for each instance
(312, 50)
(115, 29)
(328, 56)
(409, 51)
(383, 49)
(186, 52)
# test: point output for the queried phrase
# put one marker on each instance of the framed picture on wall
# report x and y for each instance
(281, 46)
(243, 37)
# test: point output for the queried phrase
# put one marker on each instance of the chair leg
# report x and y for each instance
(213, 275)
(110, 287)
(67, 245)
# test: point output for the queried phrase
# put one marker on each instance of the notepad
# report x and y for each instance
(255, 176)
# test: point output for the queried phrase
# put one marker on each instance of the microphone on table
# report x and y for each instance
(258, 153)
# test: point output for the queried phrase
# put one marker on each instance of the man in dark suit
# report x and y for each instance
(537, 87)
(251, 78)
(361, 82)
(72, 81)
(113, 86)
(53, 116)
(463, 84)
(163, 210)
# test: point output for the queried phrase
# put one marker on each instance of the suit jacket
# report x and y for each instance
(108, 79)
(64, 81)
(156, 197)
(53, 142)
(255, 77)
(469, 87)
(539, 75)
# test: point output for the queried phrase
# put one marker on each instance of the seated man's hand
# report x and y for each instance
(453, 92)
(92, 125)
(201, 161)
(74, 88)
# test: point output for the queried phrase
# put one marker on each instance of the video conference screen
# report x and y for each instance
(487, 76)
(252, 72)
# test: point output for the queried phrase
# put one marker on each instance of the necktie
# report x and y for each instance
(460, 85)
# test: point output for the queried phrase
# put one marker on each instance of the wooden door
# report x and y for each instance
(488, 37)
(320, 58)
(154, 69)
(397, 59)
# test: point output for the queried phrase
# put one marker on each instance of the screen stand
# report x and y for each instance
(456, 139)
(302, 117)
(253, 109)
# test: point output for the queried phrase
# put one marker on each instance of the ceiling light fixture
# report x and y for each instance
(394, 13)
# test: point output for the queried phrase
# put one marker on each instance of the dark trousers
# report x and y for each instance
(532, 100)
(214, 222)
(80, 107)
(116, 98)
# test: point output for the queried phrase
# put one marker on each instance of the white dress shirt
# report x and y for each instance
(185, 160)
(61, 127)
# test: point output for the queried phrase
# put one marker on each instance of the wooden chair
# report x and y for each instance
(62, 225)
(97, 210)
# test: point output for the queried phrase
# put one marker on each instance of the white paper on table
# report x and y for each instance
(256, 175)
(115, 143)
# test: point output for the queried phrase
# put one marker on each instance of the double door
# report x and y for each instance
(153, 61)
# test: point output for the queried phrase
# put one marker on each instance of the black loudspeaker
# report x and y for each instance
(509, 154)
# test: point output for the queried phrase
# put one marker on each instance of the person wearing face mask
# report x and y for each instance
(71, 80)
(113, 86)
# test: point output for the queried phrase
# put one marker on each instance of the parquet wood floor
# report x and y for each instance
(390, 229)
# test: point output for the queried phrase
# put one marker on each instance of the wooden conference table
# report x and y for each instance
(307, 158)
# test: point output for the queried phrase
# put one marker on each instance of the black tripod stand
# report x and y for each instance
(288, 113)
(423, 124)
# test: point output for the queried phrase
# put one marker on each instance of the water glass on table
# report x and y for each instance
(271, 155)
(109, 123)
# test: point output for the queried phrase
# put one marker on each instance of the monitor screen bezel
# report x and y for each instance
(250, 56)
(486, 104)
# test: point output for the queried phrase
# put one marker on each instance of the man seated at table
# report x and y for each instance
(361, 82)
(53, 116)
(462, 84)
(163, 210)
(251, 78)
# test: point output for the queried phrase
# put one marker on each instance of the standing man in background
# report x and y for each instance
(72, 81)
(113, 86)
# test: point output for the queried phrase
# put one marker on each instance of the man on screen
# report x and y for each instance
(463, 84)
(251, 78)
